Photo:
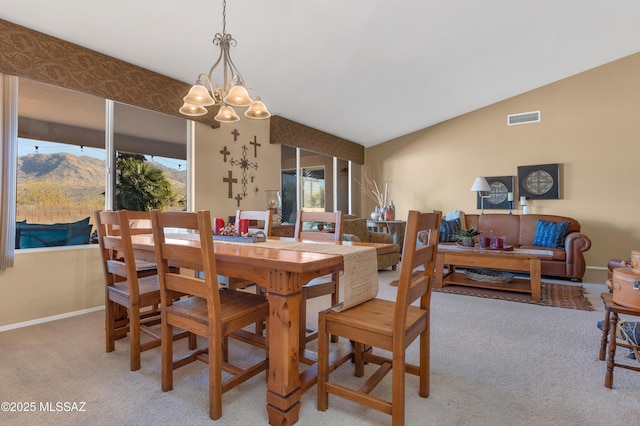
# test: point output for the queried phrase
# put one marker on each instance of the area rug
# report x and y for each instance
(551, 294)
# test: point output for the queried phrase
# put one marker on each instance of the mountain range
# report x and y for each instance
(80, 178)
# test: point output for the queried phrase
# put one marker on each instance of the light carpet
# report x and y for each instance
(493, 362)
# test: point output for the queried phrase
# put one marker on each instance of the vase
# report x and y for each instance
(390, 212)
(375, 214)
(466, 241)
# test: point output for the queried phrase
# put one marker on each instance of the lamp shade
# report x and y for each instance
(199, 95)
(192, 110)
(238, 96)
(226, 114)
(480, 184)
(257, 110)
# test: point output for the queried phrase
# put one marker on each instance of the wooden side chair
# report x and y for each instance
(131, 283)
(321, 288)
(388, 325)
(210, 312)
(262, 217)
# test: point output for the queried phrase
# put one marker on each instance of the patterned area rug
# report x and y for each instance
(551, 294)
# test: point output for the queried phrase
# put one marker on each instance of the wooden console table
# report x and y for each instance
(394, 227)
(527, 261)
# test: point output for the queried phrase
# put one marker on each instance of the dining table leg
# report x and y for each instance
(283, 382)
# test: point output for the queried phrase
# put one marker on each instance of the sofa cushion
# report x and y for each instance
(550, 234)
(448, 230)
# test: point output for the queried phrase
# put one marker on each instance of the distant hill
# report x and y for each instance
(80, 178)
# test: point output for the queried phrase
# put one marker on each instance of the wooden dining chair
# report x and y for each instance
(261, 217)
(211, 312)
(388, 325)
(304, 230)
(132, 289)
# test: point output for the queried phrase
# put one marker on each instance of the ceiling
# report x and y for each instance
(364, 70)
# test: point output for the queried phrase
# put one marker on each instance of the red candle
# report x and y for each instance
(243, 226)
(218, 224)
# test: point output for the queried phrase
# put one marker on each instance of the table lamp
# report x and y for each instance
(481, 185)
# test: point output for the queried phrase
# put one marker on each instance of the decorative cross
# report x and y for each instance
(238, 199)
(255, 146)
(225, 152)
(244, 165)
(235, 134)
(231, 181)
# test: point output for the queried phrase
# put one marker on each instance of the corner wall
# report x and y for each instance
(589, 125)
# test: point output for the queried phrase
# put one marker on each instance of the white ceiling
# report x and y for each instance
(365, 70)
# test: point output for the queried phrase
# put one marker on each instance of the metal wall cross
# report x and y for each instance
(244, 165)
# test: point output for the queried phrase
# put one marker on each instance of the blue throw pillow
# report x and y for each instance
(550, 234)
(448, 228)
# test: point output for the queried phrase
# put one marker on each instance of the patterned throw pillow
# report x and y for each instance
(448, 228)
(550, 234)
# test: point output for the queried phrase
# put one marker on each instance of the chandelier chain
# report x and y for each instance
(224, 17)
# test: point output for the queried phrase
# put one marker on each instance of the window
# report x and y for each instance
(324, 184)
(63, 172)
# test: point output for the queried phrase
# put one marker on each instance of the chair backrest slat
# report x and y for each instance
(118, 255)
(263, 217)
(414, 284)
(335, 218)
(177, 253)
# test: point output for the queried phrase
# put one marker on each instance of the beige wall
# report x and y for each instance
(50, 282)
(210, 190)
(589, 125)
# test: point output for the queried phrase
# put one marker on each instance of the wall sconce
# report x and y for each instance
(481, 185)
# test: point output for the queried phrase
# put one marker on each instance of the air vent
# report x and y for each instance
(523, 118)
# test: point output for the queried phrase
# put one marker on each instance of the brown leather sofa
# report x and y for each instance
(520, 230)
(355, 229)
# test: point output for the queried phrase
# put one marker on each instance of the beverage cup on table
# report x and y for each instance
(243, 226)
(218, 224)
(497, 243)
(485, 242)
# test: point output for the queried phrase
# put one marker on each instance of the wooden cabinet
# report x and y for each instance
(283, 230)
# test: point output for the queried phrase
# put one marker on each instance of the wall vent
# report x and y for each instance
(523, 118)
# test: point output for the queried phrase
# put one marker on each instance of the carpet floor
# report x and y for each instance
(492, 363)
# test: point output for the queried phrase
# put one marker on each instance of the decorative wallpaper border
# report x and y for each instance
(38, 56)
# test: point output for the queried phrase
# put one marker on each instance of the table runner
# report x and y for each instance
(360, 275)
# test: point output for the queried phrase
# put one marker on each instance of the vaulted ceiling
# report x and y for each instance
(364, 70)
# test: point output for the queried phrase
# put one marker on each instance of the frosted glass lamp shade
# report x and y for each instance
(192, 110)
(226, 114)
(257, 110)
(238, 96)
(199, 95)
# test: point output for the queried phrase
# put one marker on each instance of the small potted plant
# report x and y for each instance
(465, 236)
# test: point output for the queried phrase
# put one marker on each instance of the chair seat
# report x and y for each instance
(233, 305)
(374, 316)
(147, 285)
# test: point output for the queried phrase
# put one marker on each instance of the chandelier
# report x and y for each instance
(232, 92)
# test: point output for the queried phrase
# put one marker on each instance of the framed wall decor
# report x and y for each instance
(500, 188)
(539, 182)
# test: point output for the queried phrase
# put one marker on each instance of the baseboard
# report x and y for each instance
(51, 318)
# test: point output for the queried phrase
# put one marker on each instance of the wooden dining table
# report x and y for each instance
(282, 273)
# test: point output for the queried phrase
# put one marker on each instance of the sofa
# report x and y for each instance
(355, 229)
(35, 235)
(521, 231)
